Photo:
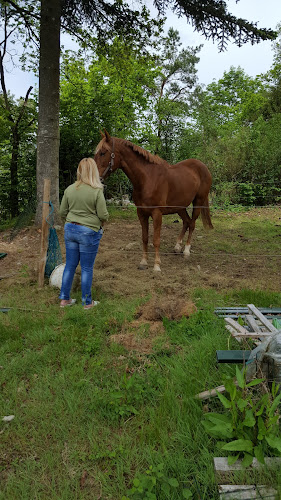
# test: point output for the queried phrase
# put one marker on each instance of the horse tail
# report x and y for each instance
(205, 214)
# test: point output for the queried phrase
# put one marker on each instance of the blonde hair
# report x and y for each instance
(87, 173)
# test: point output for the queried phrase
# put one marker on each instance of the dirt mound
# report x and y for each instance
(170, 307)
(141, 334)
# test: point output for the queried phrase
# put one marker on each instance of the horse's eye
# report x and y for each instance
(102, 153)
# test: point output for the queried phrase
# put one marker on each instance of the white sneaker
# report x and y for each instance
(68, 303)
(89, 306)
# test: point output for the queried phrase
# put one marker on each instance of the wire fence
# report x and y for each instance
(221, 254)
(213, 254)
(119, 204)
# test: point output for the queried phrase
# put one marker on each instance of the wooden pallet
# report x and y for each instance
(225, 473)
(236, 312)
(246, 492)
(257, 325)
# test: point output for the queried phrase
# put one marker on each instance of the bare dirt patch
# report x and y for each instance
(116, 270)
(133, 342)
(22, 255)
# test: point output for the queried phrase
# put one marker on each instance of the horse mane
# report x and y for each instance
(151, 158)
(143, 152)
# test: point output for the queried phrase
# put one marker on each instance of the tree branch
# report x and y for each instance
(22, 11)
(23, 107)
(179, 93)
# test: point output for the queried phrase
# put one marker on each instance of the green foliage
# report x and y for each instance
(107, 91)
(131, 95)
(246, 193)
(154, 480)
(132, 392)
(93, 345)
(24, 151)
(107, 455)
(123, 402)
(174, 87)
(251, 423)
(240, 141)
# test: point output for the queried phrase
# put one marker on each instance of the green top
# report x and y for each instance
(85, 205)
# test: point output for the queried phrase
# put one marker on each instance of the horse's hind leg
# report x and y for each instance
(143, 218)
(185, 224)
(195, 214)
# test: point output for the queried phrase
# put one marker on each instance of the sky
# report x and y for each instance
(254, 59)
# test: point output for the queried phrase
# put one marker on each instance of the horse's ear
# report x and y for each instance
(102, 134)
(107, 135)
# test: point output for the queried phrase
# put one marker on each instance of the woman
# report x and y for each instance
(84, 208)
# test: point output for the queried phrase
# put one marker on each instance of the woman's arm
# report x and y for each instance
(101, 209)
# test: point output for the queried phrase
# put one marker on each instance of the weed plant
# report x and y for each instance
(250, 425)
(93, 420)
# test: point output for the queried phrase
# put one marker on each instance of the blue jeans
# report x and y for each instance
(81, 244)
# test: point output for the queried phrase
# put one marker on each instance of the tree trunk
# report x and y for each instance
(14, 193)
(48, 119)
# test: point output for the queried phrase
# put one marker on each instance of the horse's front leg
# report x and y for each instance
(143, 218)
(157, 223)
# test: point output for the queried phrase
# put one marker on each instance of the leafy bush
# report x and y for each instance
(246, 193)
(225, 194)
(251, 426)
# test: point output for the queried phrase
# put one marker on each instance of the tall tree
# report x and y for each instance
(14, 113)
(175, 84)
(48, 119)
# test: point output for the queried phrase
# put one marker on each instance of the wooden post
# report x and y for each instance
(44, 232)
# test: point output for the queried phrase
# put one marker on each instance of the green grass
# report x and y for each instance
(120, 213)
(91, 416)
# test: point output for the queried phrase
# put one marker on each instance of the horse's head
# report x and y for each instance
(105, 156)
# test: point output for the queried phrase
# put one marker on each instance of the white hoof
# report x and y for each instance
(177, 248)
(157, 268)
(186, 252)
(143, 264)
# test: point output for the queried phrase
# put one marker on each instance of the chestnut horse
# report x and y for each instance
(158, 189)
